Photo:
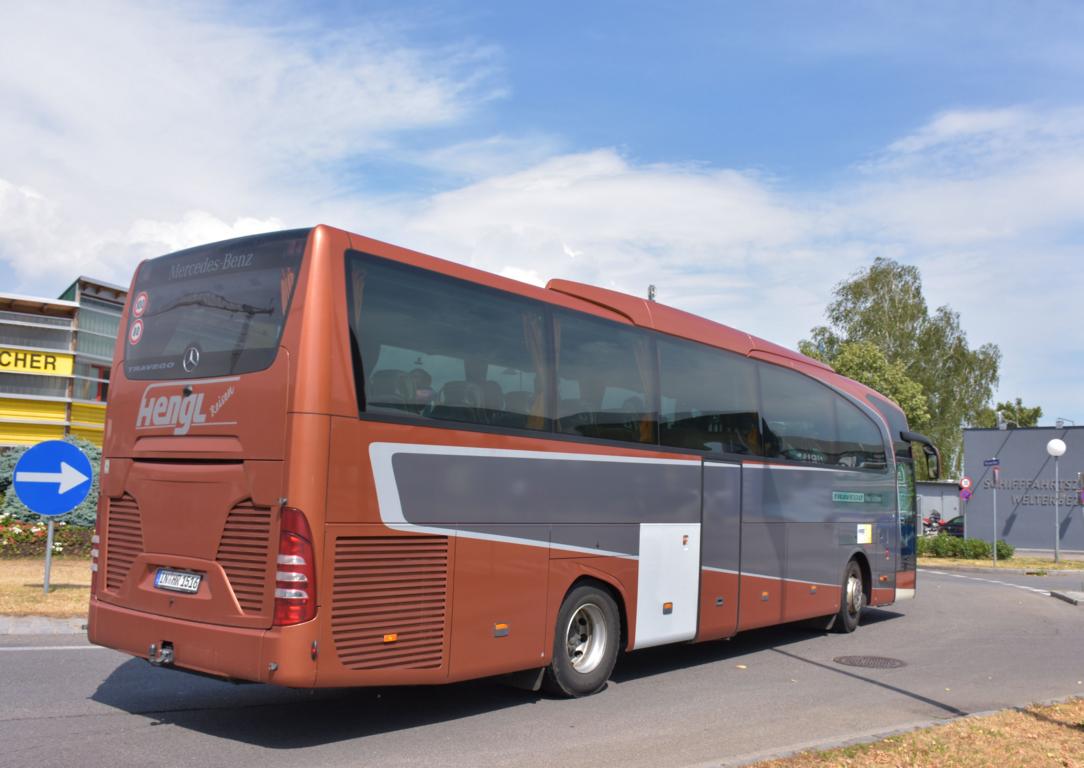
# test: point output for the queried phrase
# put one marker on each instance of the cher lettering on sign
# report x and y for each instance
(29, 361)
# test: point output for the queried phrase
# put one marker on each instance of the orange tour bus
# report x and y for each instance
(331, 461)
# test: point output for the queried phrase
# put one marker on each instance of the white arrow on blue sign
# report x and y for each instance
(53, 477)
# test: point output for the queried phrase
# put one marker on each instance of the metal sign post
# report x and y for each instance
(995, 463)
(1056, 448)
(997, 477)
(48, 556)
(1057, 513)
(52, 478)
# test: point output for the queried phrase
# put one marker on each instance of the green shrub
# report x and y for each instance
(944, 545)
(84, 515)
(975, 549)
(941, 546)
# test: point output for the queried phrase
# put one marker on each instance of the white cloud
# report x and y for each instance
(123, 112)
(46, 245)
(483, 158)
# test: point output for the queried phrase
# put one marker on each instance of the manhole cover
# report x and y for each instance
(870, 662)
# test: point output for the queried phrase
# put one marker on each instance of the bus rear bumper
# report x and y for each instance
(231, 653)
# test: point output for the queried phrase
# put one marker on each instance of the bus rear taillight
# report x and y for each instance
(295, 571)
(95, 556)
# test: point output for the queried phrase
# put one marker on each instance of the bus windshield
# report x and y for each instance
(212, 311)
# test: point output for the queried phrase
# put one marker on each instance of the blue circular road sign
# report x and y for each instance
(53, 477)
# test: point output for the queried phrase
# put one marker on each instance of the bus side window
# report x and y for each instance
(435, 347)
(808, 421)
(709, 398)
(799, 415)
(860, 443)
(606, 380)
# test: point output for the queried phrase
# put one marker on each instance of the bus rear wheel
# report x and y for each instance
(852, 600)
(585, 643)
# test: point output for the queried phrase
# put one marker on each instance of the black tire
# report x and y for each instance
(852, 599)
(585, 643)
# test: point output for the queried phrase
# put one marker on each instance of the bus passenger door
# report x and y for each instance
(720, 549)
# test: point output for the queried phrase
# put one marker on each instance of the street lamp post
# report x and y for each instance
(1056, 448)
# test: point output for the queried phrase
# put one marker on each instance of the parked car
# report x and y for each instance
(954, 527)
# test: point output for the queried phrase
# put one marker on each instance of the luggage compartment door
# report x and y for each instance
(667, 583)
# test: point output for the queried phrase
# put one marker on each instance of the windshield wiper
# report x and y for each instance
(216, 301)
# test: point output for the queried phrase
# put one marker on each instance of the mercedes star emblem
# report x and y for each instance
(191, 359)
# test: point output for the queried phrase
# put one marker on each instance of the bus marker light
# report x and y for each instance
(667, 609)
(884, 578)
(500, 630)
(813, 589)
(391, 637)
(764, 597)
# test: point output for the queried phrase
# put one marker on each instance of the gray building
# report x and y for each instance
(1025, 488)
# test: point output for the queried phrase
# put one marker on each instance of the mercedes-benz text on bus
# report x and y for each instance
(330, 461)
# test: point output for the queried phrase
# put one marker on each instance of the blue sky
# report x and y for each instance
(745, 158)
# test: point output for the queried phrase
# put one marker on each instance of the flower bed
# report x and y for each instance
(27, 539)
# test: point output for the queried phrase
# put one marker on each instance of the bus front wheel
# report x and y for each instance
(852, 600)
(585, 643)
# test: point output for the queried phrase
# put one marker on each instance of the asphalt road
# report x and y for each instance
(969, 645)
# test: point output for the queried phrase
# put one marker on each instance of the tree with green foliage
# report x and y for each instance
(1014, 412)
(884, 306)
(83, 515)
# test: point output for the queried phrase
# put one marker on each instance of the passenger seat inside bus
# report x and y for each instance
(493, 396)
(387, 387)
(458, 401)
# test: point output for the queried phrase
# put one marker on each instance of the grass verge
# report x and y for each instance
(21, 587)
(1036, 737)
(1015, 563)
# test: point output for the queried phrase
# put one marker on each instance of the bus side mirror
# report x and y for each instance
(933, 461)
(933, 456)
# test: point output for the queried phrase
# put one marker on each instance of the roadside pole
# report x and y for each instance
(48, 557)
(1057, 513)
(996, 464)
(1056, 448)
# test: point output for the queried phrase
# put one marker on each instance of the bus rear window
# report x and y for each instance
(216, 310)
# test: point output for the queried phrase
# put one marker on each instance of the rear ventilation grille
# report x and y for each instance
(124, 540)
(243, 553)
(390, 587)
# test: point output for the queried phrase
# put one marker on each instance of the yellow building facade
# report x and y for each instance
(55, 359)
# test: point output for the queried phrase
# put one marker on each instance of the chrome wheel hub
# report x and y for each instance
(854, 595)
(586, 638)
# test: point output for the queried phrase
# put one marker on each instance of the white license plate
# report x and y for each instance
(177, 581)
